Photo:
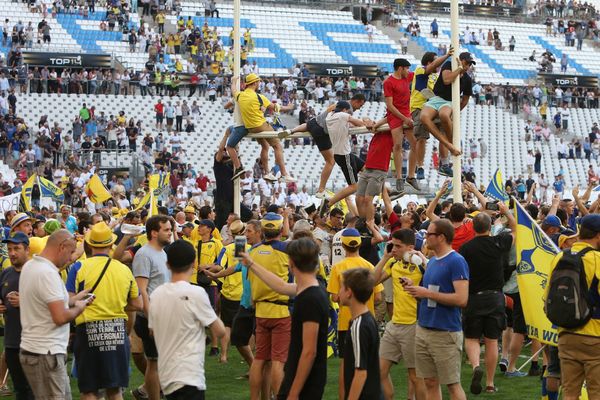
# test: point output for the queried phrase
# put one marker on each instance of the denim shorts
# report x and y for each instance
(437, 103)
(236, 135)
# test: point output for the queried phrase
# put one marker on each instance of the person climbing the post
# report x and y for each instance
(252, 108)
(441, 105)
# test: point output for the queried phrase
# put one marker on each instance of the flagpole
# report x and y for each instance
(236, 73)
(456, 162)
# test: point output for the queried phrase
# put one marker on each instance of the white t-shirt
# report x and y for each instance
(237, 114)
(247, 184)
(179, 314)
(337, 126)
(325, 238)
(337, 250)
(40, 284)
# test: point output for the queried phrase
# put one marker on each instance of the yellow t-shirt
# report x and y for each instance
(160, 19)
(335, 283)
(209, 253)
(232, 284)
(215, 68)
(112, 293)
(421, 81)
(195, 236)
(250, 108)
(591, 263)
(405, 305)
(272, 256)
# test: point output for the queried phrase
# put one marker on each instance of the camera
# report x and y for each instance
(492, 206)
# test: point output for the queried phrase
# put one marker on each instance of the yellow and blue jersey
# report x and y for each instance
(232, 284)
(112, 293)
(272, 256)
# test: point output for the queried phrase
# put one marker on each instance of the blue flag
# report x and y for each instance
(495, 189)
(49, 189)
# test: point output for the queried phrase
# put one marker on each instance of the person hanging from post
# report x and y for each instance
(441, 106)
(338, 125)
(317, 127)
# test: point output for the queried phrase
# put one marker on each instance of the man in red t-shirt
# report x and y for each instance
(159, 109)
(202, 181)
(463, 226)
(372, 177)
(396, 90)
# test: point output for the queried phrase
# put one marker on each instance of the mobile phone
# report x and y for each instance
(403, 281)
(389, 247)
(89, 297)
(240, 246)
(492, 206)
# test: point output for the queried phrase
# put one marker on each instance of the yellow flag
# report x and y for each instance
(159, 182)
(149, 198)
(26, 190)
(96, 191)
(143, 202)
(535, 252)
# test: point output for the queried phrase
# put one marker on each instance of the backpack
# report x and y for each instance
(569, 304)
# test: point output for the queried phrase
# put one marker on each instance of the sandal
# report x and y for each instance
(491, 389)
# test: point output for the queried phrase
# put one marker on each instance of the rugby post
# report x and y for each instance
(456, 163)
(236, 73)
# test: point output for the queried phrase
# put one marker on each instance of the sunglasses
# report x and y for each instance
(427, 234)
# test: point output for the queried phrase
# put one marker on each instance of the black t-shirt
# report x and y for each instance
(223, 173)
(445, 91)
(9, 281)
(309, 306)
(361, 351)
(484, 254)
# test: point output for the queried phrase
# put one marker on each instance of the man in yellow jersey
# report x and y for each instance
(273, 321)
(398, 341)
(351, 241)
(231, 291)
(252, 107)
(190, 213)
(579, 348)
(207, 253)
(422, 89)
(101, 344)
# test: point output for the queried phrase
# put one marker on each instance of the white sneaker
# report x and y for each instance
(284, 134)
(322, 195)
(289, 179)
(269, 177)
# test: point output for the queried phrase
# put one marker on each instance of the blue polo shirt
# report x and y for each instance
(442, 272)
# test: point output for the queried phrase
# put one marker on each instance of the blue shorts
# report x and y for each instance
(236, 135)
(437, 103)
(102, 351)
